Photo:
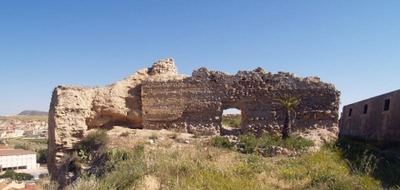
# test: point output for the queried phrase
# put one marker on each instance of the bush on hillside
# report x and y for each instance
(380, 161)
(249, 144)
(222, 142)
(195, 168)
(16, 176)
(296, 143)
(42, 156)
(22, 146)
(325, 169)
(94, 141)
(121, 169)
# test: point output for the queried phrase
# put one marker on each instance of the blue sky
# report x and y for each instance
(353, 44)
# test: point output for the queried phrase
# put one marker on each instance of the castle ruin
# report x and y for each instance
(160, 98)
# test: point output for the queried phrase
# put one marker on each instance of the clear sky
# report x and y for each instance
(353, 44)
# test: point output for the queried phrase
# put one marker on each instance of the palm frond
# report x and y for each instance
(288, 103)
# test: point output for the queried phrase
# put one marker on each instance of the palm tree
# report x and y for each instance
(289, 104)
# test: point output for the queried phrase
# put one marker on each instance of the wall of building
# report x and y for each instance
(18, 161)
(376, 124)
(196, 104)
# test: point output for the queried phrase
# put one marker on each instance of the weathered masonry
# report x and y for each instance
(160, 98)
(195, 104)
(374, 119)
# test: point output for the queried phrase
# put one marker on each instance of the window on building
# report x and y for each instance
(386, 107)
(350, 111)
(365, 109)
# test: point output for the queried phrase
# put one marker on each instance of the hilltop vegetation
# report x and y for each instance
(26, 144)
(141, 159)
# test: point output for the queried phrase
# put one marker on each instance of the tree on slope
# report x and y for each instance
(288, 104)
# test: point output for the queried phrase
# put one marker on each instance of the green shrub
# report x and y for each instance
(192, 168)
(22, 146)
(122, 170)
(47, 184)
(118, 155)
(27, 144)
(247, 144)
(222, 142)
(267, 141)
(72, 163)
(184, 170)
(250, 165)
(17, 176)
(380, 161)
(94, 141)
(291, 143)
(91, 150)
(42, 156)
(325, 169)
(296, 143)
(125, 174)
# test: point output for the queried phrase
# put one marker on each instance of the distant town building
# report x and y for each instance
(373, 119)
(12, 159)
(16, 133)
(15, 127)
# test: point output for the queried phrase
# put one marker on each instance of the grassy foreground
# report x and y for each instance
(202, 166)
(212, 168)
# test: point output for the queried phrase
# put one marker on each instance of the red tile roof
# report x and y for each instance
(14, 152)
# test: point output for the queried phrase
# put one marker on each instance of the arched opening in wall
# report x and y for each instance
(231, 121)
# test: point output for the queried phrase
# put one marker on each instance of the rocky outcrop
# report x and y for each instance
(159, 98)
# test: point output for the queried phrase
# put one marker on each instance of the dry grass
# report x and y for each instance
(169, 164)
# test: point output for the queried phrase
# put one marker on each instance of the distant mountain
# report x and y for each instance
(33, 113)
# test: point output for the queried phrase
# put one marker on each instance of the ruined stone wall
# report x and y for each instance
(196, 104)
(74, 110)
(186, 106)
(159, 98)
